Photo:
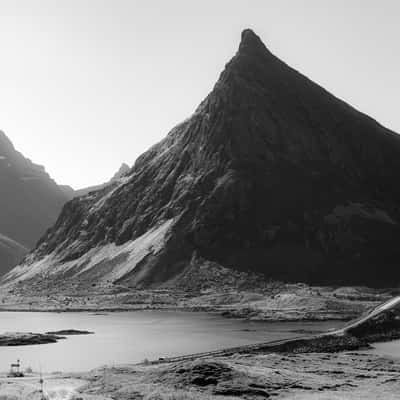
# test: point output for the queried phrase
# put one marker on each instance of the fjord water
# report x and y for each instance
(386, 349)
(129, 337)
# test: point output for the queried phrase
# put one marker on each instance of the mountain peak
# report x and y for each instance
(271, 175)
(123, 169)
(251, 42)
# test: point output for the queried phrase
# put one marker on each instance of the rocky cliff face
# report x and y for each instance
(30, 202)
(271, 174)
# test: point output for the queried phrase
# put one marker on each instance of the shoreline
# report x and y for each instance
(273, 301)
(217, 312)
(354, 328)
(329, 342)
(19, 338)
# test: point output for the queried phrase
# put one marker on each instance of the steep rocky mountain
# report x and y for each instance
(30, 202)
(123, 169)
(271, 174)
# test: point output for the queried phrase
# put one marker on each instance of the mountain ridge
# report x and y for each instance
(271, 174)
(29, 204)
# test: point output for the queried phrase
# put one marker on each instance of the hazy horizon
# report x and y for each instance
(87, 85)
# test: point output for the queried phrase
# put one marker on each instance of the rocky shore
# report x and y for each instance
(69, 332)
(29, 338)
(25, 339)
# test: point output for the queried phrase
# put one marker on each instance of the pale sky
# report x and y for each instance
(88, 84)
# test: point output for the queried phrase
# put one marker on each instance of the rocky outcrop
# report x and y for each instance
(27, 339)
(123, 170)
(271, 174)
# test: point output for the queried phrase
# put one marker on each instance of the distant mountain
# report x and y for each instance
(271, 174)
(68, 191)
(11, 252)
(123, 169)
(30, 202)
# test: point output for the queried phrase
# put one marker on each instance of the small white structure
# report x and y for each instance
(15, 370)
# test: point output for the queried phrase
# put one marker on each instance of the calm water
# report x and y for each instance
(391, 349)
(128, 337)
